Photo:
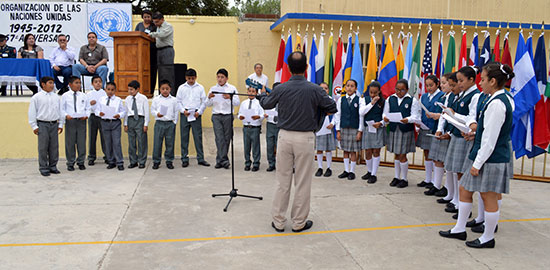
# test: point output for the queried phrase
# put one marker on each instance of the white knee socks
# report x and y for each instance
(320, 161)
(329, 159)
(404, 170)
(352, 167)
(438, 176)
(450, 186)
(480, 209)
(455, 183)
(491, 221)
(375, 165)
(397, 166)
(369, 165)
(346, 164)
(429, 165)
(464, 209)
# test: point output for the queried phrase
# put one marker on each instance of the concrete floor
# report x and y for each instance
(165, 215)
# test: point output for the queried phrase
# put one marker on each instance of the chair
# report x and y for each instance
(18, 87)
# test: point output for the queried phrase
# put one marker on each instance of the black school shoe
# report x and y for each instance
(81, 167)
(120, 167)
(481, 228)
(473, 223)
(133, 165)
(185, 164)
(156, 166)
(443, 201)
(247, 168)
(351, 176)
(394, 182)
(270, 168)
(141, 166)
(319, 172)
(451, 209)
(70, 168)
(422, 184)
(372, 179)
(343, 175)
(448, 234)
(111, 166)
(403, 184)
(255, 169)
(366, 176)
(328, 173)
(91, 162)
(170, 166)
(477, 244)
(45, 173)
(442, 192)
(455, 216)
(55, 171)
(218, 166)
(431, 191)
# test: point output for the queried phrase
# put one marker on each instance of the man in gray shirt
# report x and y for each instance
(164, 37)
(92, 60)
(301, 106)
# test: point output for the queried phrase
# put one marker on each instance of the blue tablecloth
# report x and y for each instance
(24, 70)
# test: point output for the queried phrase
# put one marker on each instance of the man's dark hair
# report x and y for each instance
(191, 73)
(163, 82)
(297, 62)
(146, 11)
(134, 84)
(96, 77)
(92, 33)
(157, 16)
(45, 79)
(2, 37)
(73, 78)
(223, 71)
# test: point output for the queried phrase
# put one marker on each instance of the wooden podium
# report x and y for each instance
(132, 61)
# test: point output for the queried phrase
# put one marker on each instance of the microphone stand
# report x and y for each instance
(233, 193)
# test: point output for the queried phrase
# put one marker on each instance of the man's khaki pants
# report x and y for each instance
(295, 149)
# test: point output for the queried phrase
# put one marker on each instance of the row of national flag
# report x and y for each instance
(335, 66)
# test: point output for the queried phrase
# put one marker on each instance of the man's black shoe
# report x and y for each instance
(204, 163)
(308, 225)
(278, 230)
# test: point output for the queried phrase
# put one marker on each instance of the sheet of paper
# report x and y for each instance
(247, 113)
(108, 111)
(78, 115)
(423, 126)
(395, 117)
(422, 105)
(324, 130)
(271, 114)
(191, 116)
(462, 127)
(163, 109)
(371, 128)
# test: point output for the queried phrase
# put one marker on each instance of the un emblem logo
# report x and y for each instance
(107, 20)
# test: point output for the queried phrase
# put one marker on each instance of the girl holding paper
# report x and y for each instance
(401, 137)
(490, 156)
(463, 108)
(371, 108)
(324, 141)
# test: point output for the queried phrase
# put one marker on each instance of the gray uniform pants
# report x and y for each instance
(251, 139)
(48, 146)
(164, 130)
(196, 127)
(165, 62)
(94, 125)
(111, 131)
(137, 153)
(223, 131)
(75, 140)
(271, 142)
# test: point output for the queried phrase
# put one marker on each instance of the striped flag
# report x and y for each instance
(450, 61)
(388, 71)
(400, 60)
(329, 63)
(288, 50)
(426, 62)
(372, 66)
(280, 60)
(473, 59)
(312, 67)
(382, 52)
(408, 57)
(349, 59)
(338, 69)
(541, 131)
(439, 66)
(320, 61)
(414, 75)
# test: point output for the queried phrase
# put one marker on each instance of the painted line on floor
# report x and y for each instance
(252, 236)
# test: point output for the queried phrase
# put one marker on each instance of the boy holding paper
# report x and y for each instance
(252, 114)
(135, 124)
(94, 122)
(75, 110)
(165, 111)
(401, 137)
(191, 100)
(111, 111)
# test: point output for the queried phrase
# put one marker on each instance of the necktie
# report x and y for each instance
(108, 100)
(135, 109)
(249, 104)
(74, 99)
(349, 100)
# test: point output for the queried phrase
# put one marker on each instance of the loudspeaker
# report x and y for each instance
(179, 77)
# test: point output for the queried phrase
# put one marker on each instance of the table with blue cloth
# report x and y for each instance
(17, 70)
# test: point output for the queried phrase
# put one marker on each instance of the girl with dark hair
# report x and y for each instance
(148, 27)
(30, 50)
(325, 142)
(428, 99)
(489, 157)
(347, 128)
(371, 108)
(401, 137)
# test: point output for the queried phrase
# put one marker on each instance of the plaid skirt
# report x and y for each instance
(325, 142)
(457, 153)
(438, 149)
(401, 143)
(349, 141)
(423, 141)
(493, 177)
(373, 140)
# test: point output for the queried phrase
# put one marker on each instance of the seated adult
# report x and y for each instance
(30, 50)
(92, 60)
(62, 60)
(5, 52)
